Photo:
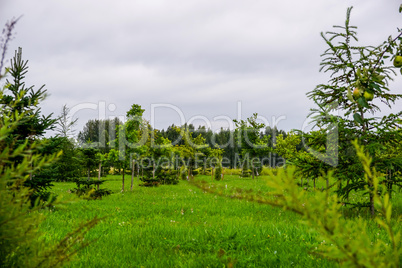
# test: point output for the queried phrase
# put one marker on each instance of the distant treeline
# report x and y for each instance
(102, 132)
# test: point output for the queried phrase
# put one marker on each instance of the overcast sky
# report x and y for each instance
(186, 60)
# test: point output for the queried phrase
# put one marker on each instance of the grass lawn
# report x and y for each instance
(180, 226)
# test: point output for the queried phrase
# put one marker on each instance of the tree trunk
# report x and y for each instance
(99, 172)
(327, 183)
(372, 209)
(390, 184)
(314, 182)
(223, 172)
(153, 171)
(138, 173)
(190, 172)
(212, 173)
(132, 175)
(122, 181)
(178, 172)
(88, 171)
(252, 170)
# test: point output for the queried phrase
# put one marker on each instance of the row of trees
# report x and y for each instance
(135, 145)
(100, 133)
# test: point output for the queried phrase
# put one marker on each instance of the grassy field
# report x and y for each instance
(180, 226)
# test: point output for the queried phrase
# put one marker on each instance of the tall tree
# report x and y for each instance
(252, 144)
(23, 100)
(89, 159)
(135, 137)
(360, 79)
(191, 150)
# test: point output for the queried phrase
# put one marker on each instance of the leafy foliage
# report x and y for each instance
(100, 133)
(67, 167)
(252, 144)
(218, 172)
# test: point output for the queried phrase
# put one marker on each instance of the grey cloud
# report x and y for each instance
(201, 56)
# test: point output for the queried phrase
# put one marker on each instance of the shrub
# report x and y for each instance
(89, 189)
(218, 173)
(233, 171)
(245, 173)
(269, 170)
(196, 172)
(162, 176)
(183, 173)
(167, 176)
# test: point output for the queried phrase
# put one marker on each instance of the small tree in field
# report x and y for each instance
(136, 141)
(252, 145)
(360, 78)
(89, 161)
(192, 149)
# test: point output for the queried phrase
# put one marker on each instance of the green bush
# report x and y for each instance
(218, 173)
(245, 173)
(167, 176)
(269, 170)
(233, 171)
(89, 189)
(162, 176)
(183, 172)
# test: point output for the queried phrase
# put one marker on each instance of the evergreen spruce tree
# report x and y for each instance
(32, 125)
(20, 239)
(360, 79)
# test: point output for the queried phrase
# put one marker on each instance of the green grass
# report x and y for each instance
(180, 226)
